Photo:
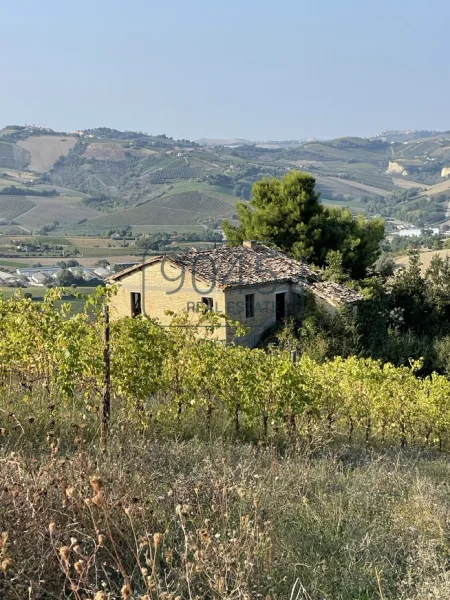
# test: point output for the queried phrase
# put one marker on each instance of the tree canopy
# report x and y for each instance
(287, 213)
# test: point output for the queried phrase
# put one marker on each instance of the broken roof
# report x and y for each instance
(241, 266)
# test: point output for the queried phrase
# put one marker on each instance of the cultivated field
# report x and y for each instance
(45, 150)
(365, 190)
(407, 184)
(18, 174)
(354, 205)
(12, 207)
(189, 208)
(105, 151)
(168, 229)
(26, 239)
(89, 242)
(64, 209)
(6, 150)
(12, 156)
(439, 188)
(13, 263)
(112, 151)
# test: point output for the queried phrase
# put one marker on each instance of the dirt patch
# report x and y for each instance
(99, 151)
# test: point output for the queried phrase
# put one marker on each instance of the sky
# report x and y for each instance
(254, 69)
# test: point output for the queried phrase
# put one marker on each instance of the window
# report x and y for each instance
(136, 304)
(280, 307)
(209, 303)
(249, 306)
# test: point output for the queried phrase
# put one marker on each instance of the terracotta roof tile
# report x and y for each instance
(239, 266)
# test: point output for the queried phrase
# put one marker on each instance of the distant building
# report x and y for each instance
(416, 232)
(7, 276)
(39, 279)
(102, 272)
(50, 271)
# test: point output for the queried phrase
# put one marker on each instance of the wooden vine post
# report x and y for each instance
(106, 400)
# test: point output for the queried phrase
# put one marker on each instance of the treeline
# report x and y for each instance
(161, 241)
(408, 205)
(166, 376)
(12, 190)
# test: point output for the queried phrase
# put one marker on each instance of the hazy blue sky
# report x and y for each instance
(259, 69)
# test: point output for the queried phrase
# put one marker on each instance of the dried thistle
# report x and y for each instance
(125, 591)
(3, 539)
(96, 483)
(79, 566)
(64, 552)
(98, 499)
(5, 565)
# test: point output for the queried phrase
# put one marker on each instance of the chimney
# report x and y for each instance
(250, 244)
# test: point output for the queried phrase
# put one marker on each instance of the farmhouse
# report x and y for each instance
(252, 283)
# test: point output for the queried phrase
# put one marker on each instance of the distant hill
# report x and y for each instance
(406, 135)
(105, 178)
(222, 142)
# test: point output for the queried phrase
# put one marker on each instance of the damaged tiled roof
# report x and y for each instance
(239, 266)
(334, 292)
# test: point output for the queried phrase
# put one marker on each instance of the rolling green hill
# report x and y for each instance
(108, 179)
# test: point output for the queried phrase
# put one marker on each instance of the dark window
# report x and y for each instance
(280, 307)
(208, 302)
(136, 304)
(249, 306)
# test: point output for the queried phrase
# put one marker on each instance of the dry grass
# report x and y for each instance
(426, 256)
(164, 517)
(45, 150)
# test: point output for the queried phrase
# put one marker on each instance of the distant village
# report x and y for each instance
(42, 276)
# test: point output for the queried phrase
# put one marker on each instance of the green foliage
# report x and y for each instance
(288, 214)
(410, 206)
(169, 375)
(12, 190)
